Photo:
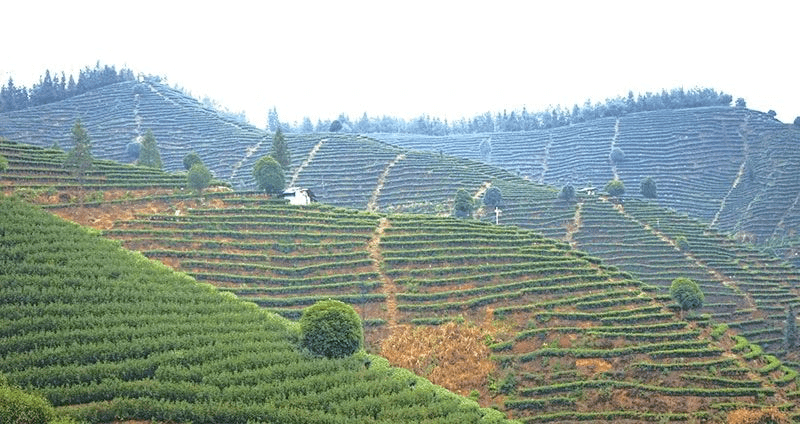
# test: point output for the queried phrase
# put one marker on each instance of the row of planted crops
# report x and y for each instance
(117, 336)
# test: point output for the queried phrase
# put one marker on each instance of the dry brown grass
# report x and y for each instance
(451, 355)
(752, 416)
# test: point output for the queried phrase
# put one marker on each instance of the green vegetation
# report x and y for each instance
(269, 176)
(79, 159)
(191, 159)
(493, 197)
(3, 163)
(463, 205)
(686, 294)
(280, 149)
(19, 407)
(567, 192)
(790, 329)
(149, 155)
(198, 177)
(615, 188)
(616, 156)
(648, 188)
(117, 337)
(332, 329)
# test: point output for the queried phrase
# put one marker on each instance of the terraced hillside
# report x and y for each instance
(117, 114)
(731, 167)
(559, 322)
(573, 339)
(107, 335)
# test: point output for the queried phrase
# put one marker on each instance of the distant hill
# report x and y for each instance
(734, 168)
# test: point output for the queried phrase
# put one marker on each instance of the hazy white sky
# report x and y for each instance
(405, 58)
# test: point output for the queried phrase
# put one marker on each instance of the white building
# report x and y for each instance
(298, 196)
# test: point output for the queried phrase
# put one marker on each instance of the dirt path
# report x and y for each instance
(481, 211)
(574, 226)
(389, 288)
(308, 160)
(743, 132)
(372, 205)
(250, 151)
(613, 146)
(715, 274)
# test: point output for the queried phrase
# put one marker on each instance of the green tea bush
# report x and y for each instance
(331, 328)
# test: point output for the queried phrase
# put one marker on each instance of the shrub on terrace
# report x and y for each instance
(18, 406)
(190, 159)
(493, 197)
(567, 192)
(648, 188)
(615, 188)
(3, 163)
(133, 149)
(686, 293)
(332, 329)
(463, 204)
(198, 178)
(682, 243)
(617, 155)
(269, 176)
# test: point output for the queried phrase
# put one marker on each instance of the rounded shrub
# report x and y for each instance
(615, 188)
(332, 329)
(17, 406)
(686, 293)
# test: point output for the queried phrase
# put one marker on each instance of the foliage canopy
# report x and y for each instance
(280, 149)
(191, 159)
(615, 188)
(464, 205)
(79, 159)
(269, 175)
(149, 155)
(199, 177)
(686, 293)
(332, 329)
(648, 188)
(493, 197)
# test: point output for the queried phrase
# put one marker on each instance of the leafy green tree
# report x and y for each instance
(464, 205)
(79, 159)
(280, 149)
(740, 102)
(190, 160)
(332, 329)
(686, 293)
(336, 125)
(648, 188)
(133, 149)
(149, 156)
(269, 175)
(797, 121)
(617, 155)
(493, 197)
(615, 188)
(198, 177)
(682, 243)
(3, 163)
(567, 192)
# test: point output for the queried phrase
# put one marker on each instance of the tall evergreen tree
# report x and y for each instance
(79, 159)
(273, 121)
(790, 330)
(280, 149)
(148, 155)
(463, 205)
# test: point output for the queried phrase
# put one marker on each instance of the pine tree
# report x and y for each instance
(280, 149)
(790, 330)
(79, 159)
(149, 156)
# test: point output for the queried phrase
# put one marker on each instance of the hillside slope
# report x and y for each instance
(732, 167)
(112, 336)
(116, 115)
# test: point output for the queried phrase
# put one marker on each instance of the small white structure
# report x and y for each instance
(298, 196)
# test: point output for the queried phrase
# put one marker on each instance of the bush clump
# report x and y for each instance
(332, 329)
(17, 406)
